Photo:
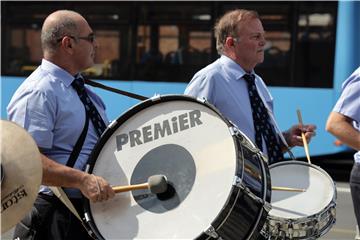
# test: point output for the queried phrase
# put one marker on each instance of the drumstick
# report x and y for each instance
(306, 148)
(288, 189)
(156, 184)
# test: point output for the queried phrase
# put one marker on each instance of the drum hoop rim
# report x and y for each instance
(329, 205)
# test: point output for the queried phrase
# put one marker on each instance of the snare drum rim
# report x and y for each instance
(330, 205)
(218, 220)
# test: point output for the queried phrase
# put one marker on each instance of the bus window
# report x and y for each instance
(315, 45)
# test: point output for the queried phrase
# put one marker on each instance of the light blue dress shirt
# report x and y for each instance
(349, 102)
(49, 108)
(221, 84)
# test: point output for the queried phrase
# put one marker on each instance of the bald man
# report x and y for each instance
(48, 105)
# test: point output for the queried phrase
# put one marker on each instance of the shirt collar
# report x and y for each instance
(58, 72)
(233, 69)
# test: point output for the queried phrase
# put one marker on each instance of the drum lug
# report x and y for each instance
(86, 217)
(112, 124)
(155, 98)
(251, 194)
(267, 207)
(238, 182)
(232, 131)
(263, 156)
(211, 232)
(201, 99)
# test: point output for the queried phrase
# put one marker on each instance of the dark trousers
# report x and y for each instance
(50, 219)
(355, 190)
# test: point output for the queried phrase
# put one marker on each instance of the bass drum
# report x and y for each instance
(218, 183)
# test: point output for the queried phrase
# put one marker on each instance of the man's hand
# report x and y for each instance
(293, 135)
(96, 188)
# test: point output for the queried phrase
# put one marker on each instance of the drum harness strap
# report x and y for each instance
(118, 91)
(58, 191)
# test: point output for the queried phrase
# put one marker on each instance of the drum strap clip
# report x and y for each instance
(210, 231)
(238, 182)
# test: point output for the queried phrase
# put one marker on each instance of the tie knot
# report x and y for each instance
(249, 78)
(78, 84)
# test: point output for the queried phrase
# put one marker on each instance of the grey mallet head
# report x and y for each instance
(157, 184)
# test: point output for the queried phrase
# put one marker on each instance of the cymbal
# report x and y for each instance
(21, 173)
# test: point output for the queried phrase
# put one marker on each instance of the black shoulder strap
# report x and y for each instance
(122, 92)
(79, 144)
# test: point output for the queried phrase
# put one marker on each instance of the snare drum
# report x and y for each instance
(300, 215)
(218, 182)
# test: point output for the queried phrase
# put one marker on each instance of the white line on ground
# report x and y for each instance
(343, 189)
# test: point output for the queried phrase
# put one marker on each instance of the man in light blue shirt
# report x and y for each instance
(344, 123)
(240, 42)
(50, 109)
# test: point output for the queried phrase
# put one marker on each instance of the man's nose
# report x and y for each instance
(95, 43)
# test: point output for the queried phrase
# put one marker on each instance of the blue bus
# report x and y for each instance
(155, 48)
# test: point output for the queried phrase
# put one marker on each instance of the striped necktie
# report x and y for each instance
(90, 108)
(262, 125)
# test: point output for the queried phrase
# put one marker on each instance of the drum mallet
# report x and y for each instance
(156, 184)
(287, 189)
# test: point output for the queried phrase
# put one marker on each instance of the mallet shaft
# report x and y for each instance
(288, 189)
(118, 189)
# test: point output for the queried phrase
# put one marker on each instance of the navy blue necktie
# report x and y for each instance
(262, 125)
(91, 110)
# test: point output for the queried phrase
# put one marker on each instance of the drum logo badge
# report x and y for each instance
(158, 130)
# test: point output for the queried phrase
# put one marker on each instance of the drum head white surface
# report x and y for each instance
(319, 188)
(200, 160)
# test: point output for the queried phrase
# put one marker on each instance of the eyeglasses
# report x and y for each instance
(91, 38)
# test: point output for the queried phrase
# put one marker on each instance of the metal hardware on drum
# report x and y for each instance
(251, 194)
(112, 124)
(237, 181)
(202, 100)
(232, 131)
(210, 231)
(155, 98)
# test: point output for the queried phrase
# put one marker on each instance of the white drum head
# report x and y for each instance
(319, 188)
(198, 156)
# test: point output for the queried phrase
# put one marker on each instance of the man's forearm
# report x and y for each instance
(55, 174)
(341, 127)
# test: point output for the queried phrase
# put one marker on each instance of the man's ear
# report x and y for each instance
(230, 42)
(67, 44)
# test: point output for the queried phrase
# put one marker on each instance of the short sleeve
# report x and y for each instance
(201, 86)
(39, 118)
(349, 101)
